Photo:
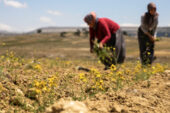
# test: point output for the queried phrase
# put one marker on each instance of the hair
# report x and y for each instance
(90, 17)
(151, 6)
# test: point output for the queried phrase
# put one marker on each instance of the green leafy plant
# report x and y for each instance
(106, 54)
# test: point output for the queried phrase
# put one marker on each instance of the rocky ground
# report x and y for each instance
(151, 96)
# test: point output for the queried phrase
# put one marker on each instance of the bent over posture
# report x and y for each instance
(108, 34)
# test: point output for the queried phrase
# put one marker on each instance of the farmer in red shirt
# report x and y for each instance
(108, 34)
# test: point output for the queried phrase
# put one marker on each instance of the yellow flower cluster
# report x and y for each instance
(45, 85)
(37, 67)
(95, 80)
(157, 69)
(82, 77)
(98, 82)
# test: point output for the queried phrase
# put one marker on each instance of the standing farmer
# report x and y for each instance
(146, 32)
(108, 34)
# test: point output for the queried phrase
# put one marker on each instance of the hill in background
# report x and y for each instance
(130, 31)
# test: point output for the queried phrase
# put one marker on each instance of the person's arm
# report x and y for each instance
(105, 30)
(145, 29)
(92, 37)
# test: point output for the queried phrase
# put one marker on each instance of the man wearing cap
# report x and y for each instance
(108, 34)
(146, 34)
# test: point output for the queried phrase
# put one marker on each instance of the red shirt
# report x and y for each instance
(105, 27)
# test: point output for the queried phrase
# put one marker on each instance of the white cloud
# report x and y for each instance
(15, 4)
(129, 25)
(169, 25)
(4, 27)
(46, 20)
(57, 13)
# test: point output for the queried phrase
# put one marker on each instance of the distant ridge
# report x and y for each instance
(130, 31)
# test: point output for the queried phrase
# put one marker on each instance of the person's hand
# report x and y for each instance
(100, 45)
(152, 39)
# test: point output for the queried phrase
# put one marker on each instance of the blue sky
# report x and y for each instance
(25, 15)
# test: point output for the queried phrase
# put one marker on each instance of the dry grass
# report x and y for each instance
(43, 69)
(71, 47)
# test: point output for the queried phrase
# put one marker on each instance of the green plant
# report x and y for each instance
(107, 55)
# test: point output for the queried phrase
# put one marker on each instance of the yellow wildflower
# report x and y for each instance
(44, 89)
(38, 67)
(98, 75)
(81, 75)
(42, 84)
(36, 83)
(119, 73)
(101, 81)
(99, 62)
(153, 67)
(84, 80)
(38, 91)
(122, 77)
(113, 67)
(95, 71)
(113, 79)
(148, 53)
(100, 87)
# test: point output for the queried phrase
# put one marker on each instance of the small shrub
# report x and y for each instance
(77, 33)
(63, 34)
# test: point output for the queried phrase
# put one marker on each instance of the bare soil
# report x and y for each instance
(151, 96)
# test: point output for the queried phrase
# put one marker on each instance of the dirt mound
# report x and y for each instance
(151, 96)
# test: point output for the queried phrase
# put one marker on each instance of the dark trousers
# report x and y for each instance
(118, 55)
(146, 47)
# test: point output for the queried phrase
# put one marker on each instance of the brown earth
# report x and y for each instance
(148, 96)
(151, 96)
